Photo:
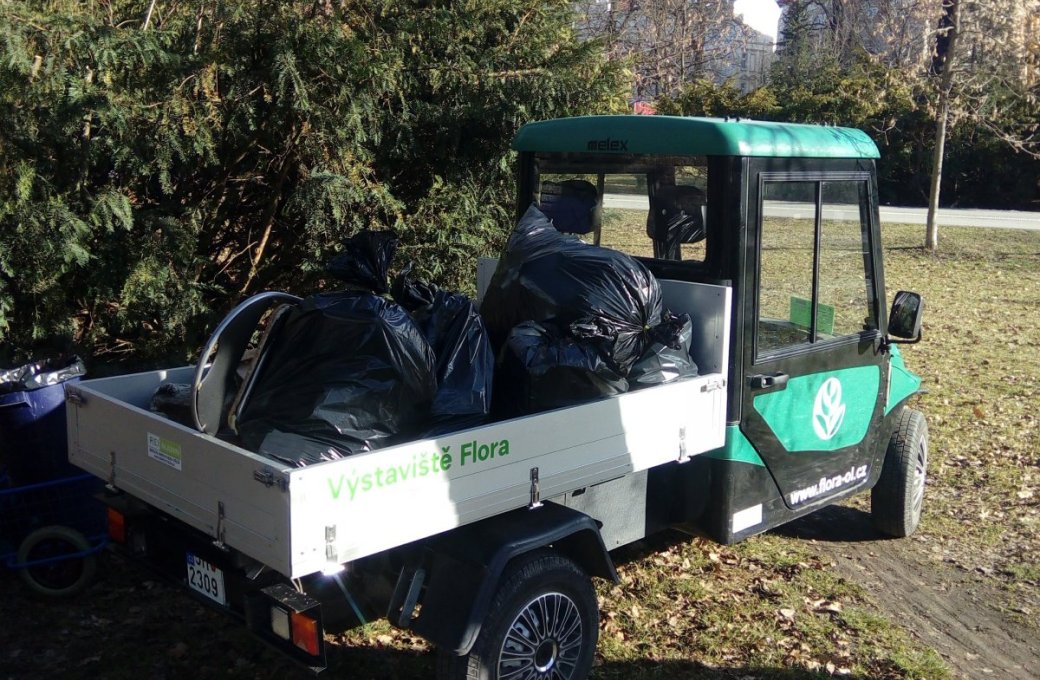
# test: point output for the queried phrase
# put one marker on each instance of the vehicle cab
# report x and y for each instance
(787, 215)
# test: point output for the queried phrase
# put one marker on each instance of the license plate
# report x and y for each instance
(206, 579)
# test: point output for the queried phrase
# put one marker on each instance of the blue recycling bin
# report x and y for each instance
(33, 444)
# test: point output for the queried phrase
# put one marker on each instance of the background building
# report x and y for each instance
(672, 42)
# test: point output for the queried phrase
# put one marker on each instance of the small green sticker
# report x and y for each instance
(165, 451)
(801, 315)
(801, 309)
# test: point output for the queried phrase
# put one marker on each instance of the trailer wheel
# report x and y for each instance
(63, 576)
(543, 624)
(898, 496)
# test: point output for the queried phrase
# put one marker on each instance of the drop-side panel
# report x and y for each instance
(193, 477)
(298, 520)
(364, 504)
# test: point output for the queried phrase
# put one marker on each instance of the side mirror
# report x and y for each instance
(904, 321)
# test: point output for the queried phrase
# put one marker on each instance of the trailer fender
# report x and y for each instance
(463, 567)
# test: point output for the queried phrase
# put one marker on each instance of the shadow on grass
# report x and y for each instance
(375, 664)
(920, 249)
(834, 523)
(367, 663)
(688, 670)
(655, 543)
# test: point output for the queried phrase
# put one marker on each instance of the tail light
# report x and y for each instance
(290, 620)
(116, 526)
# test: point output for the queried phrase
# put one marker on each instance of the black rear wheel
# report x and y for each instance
(898, 497)
(543, 625)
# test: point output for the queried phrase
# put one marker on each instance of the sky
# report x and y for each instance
(760, 15)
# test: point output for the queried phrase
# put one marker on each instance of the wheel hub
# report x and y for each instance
(545, 655)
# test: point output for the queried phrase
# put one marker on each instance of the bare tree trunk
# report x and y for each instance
(931, 238)
(945, 56)
(267, 221)
(148, 17)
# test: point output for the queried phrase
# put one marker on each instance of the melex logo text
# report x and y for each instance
(607, 144)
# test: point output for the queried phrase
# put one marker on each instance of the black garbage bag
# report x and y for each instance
(676, 216)
(364, 262)
(350, 370)
(667, 358)
(293, 448)
(455, 330)
(173, 400)
(544, 274)
(570, 205)
(542, 367)
(345, 372)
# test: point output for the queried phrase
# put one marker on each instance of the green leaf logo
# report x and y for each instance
(828, 411)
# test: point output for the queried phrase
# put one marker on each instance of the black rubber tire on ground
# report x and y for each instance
(543, 624)
(898, 496)
(63, 577)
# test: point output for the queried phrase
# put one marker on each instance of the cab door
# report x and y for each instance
(812, 398)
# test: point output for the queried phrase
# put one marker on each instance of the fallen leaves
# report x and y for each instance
(761, 604)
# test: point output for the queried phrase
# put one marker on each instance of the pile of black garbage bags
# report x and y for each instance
(351, 371)
(574, 322)
(562, 323)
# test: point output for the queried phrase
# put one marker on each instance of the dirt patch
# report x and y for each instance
(978, 621)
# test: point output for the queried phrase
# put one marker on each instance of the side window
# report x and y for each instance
(846, 297)
(785, 279)
(815, 279)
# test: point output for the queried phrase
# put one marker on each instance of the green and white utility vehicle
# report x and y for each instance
(484, 541)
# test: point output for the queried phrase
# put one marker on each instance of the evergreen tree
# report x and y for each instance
(159, 161)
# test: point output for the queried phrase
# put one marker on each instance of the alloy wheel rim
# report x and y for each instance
(920, 472)
(544, 640)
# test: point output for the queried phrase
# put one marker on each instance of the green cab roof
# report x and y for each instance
(688, 136)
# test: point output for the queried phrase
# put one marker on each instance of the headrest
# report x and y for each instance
(570, 204)
(684, 198)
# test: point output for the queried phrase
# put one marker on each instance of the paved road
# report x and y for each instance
(948, 217)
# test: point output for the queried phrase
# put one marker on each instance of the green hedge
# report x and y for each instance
(153, 173)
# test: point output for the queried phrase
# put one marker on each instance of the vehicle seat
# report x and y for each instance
(216, 381)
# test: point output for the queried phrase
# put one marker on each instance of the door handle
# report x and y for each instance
(763, 381)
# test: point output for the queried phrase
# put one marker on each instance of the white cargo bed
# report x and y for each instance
(299, 520)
